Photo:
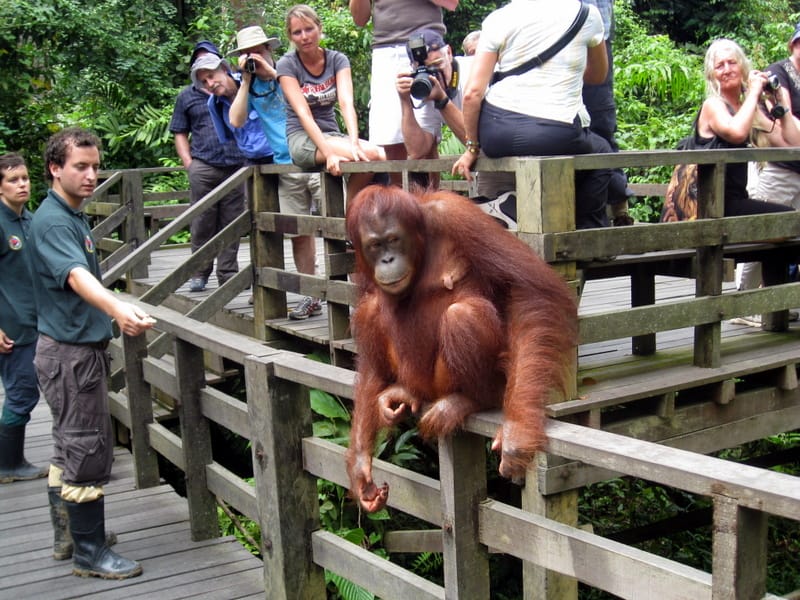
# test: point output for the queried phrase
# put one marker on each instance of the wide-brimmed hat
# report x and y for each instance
(208, 62)
(254, 36)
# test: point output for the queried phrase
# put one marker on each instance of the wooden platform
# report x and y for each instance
(599, 295)
(152, 525)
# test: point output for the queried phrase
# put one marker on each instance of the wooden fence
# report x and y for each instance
(713, 394)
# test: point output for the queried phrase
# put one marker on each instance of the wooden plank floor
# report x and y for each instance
(152, 526)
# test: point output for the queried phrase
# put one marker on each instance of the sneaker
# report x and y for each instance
(197, 284)
(308, 307)
(755, 320)
(749, 320)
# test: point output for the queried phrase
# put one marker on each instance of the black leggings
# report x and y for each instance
(505, 133)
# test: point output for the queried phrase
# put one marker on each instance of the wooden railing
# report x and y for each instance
(689, 400)
(287, 459)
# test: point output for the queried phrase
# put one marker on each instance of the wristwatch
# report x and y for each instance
(440, 104)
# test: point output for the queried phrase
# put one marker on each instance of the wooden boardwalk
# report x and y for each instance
(600, 295)
(152, 525)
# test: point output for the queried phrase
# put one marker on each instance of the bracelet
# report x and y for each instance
(473, 147)
(440, 104)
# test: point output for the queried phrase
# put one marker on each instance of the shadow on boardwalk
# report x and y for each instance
(153, 528)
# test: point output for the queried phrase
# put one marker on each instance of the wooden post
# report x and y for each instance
(266, 250)
(710, 204)
(643, 293)
(333, 205)
(195, 440)
(140, 409)
(539, 583)
(462, 475)
(739, 562)
(135, 233)
(280, 417)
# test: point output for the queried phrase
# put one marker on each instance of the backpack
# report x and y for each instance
(680, 202)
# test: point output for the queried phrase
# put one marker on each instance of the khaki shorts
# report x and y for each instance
(304, 151)
(298, 193)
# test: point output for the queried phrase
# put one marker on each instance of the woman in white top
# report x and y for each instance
(539, 112)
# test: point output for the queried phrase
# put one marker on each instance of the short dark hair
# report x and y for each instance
(59, 144)
(11, 160)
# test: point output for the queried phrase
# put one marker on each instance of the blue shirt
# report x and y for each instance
(17, 300)
(62, 241)
(191, 117)
(250, 138)
(267, 100)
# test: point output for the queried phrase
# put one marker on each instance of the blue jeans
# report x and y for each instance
(19, 382)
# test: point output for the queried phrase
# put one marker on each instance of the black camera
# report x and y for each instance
(250, 65)
(772, 86)
(773, 83)
(421, 87)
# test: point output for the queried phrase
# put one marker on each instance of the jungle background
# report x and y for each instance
(116, 66)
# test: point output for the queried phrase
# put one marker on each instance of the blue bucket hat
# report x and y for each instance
(204, 45)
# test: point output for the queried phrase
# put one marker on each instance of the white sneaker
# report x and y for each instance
(749, 320)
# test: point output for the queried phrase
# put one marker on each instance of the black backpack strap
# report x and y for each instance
(540, 59)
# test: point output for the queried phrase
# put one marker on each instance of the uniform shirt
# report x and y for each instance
(63, 241)
(523, 29)
(191, 117)
(266, 100)
(393, 21)
(319, 91)
(17, 300)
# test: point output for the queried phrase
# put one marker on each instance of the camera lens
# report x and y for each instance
(421, 86)
(773, 82)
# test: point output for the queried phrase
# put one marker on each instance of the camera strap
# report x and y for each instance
(540, 59)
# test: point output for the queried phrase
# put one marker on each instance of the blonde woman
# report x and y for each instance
(314, 79)
(733, 111)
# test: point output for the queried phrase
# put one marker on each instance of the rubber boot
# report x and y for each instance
(91, 556)
(13, 466)
(62, 538)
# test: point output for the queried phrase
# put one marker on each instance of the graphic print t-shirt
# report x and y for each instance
(319, 91)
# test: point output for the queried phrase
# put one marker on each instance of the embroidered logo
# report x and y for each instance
(89, 242)
(14, 243)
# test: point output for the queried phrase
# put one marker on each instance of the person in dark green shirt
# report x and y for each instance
(17, 321)
(74, 322)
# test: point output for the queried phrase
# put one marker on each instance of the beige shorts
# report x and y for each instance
(304, 151)
(298, 193)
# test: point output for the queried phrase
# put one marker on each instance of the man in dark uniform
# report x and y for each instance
(74, 322)
(17, 321)
(208, 163)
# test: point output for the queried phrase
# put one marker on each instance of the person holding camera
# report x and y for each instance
(538, 111)
(435, 81)
(393, 22)
(780, 181)
(264, 100)
(734, 111)
(743, 104)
